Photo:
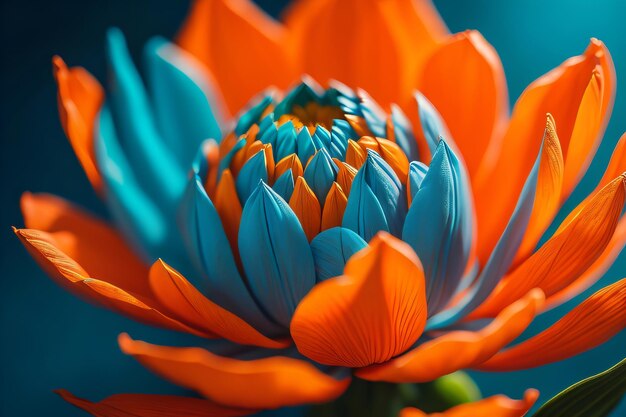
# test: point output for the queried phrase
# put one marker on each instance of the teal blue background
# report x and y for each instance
(51, 339)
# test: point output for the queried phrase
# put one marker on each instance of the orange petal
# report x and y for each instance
(291, 162)
(567, 255)
(547, 195)
(80, 97)
(267, 383)
(458, 349)
(234, 39)
(390, 152)
(184, 302)
(345, 176)
(335, 205)
(473, 101)
(495, 406)
(229, 208)
(66, 272)
(355, 155)
(575, 93)
(211, 150)
(371, 48)
(374, 312)
(590, 324)
(595, 271)
(93, 244)
(304, 204)
(149, 405)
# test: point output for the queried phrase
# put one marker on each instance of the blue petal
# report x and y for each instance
(254, 170)
(404, 133)
(306, 148)
(320, 174)
(286, 141)
(439, 226)
(500, 259)
(433, 126)
(372, 113)
(387, 189)
(338, 143)
(363, 214)
(321, 137)
(252, 115)
(275, 254)
(177, 85)
(268, 135)
(417, 172)
(218, 276)
(331, 250)
(156, 170)
(284, 185)
(305, 92)
(345, 127)
(137, 216)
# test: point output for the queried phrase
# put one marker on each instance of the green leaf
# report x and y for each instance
(595, 396)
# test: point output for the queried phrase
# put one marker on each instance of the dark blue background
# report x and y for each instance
(51, 339)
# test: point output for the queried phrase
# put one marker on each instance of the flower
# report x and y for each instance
(329, 235)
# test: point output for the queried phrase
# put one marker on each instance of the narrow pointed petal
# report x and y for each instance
(548, 193)
(178, 83)
(151, 405)
(253, 170)
(227, 34)
(345, 176)
(335, 207)
(284, 185)
(229, 208)
(290, 162)
(331, 250)
(355, 155)
(497, 405)
(155, 170)
(375, 311)
(567, 254)
(320, 173)
(184, 302)
(474, 101)
(439, 226)
(593, 322)
(417, 172)
(70, 275)
(458, 349)
(306, 207)
(80, 97)
(577, 94)
(390, 152)
(89, 241)
(403, 133)
(430, 127)
(268, 383)
(275, 254)
(208, 245)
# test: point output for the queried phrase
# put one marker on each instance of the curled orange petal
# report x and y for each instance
(590, 324)
(80, 97)
(375, 311)
(267, 383)
(150, 405)
(568, 254)
(184, 302)
(473, 101)
(458, 349)
(495, 406)
(93, 244)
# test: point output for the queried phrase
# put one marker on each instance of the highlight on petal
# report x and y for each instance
(593, 322)
(373, 312)
(267, 383)
(275, 254)
(80, 97)
(89, 241)
(578, 94)
(151, 405)
(495, 406)
(70, 275)
(334, 207)
(230, 37)
(458, 349)
(473, 101)
(184, 302)
(568, 254)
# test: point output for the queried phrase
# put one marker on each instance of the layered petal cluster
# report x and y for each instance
(326, 234)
